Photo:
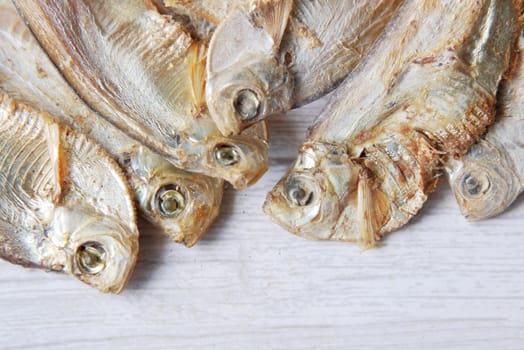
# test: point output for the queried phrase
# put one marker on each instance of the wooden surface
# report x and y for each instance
(440, 283)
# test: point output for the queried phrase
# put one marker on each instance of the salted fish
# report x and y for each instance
(425, 92)
(142, 71)
(490, 177)
(269, 56)
(183, 205)
(201, 17)
(65, 205)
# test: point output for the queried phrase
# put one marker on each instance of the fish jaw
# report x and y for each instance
(308, 200)
(249, 92)
(182, 204)
(483, 181)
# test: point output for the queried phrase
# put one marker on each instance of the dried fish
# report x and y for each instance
(142, 71)
(259, 64)
(182, 204)
(426, 90)
(200, 16)
(64, 204)
(488, 179)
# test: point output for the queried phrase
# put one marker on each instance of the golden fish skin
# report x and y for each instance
(143, 72)
(488, 179)
(64, 204)
(259, 67)
(425, 91)
(182, 204)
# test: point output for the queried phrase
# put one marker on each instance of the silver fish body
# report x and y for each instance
(426, 90)
(143, 72)
(182, 204)
(64, 203)
(488, 179)
(258, 66)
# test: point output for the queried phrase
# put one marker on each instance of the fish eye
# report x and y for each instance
(299, 191)
(475, 184)
(170, 201)
(227, 155)
(247, 104)
(91, 258)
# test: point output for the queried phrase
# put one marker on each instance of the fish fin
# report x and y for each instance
(55, 159)
(273, 16)
(197, 75)
(366, 212)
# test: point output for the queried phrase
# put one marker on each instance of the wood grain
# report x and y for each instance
(440, 283)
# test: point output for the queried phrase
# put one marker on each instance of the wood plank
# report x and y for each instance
(439, 283)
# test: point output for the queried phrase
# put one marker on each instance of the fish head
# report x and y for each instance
(101, 251)
(248, 92)
(310, 198)
(483, 181)
(246, 81)
(183, 204)
(241, 160)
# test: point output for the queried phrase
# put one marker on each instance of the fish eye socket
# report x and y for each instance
(91, 258)
(299, 192)
(170, 201)
(227, 155)
(247, 104)
(475, 185)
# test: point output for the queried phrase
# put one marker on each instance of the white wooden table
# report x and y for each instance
(440, 283)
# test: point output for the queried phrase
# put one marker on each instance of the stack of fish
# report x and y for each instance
(105, 104)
